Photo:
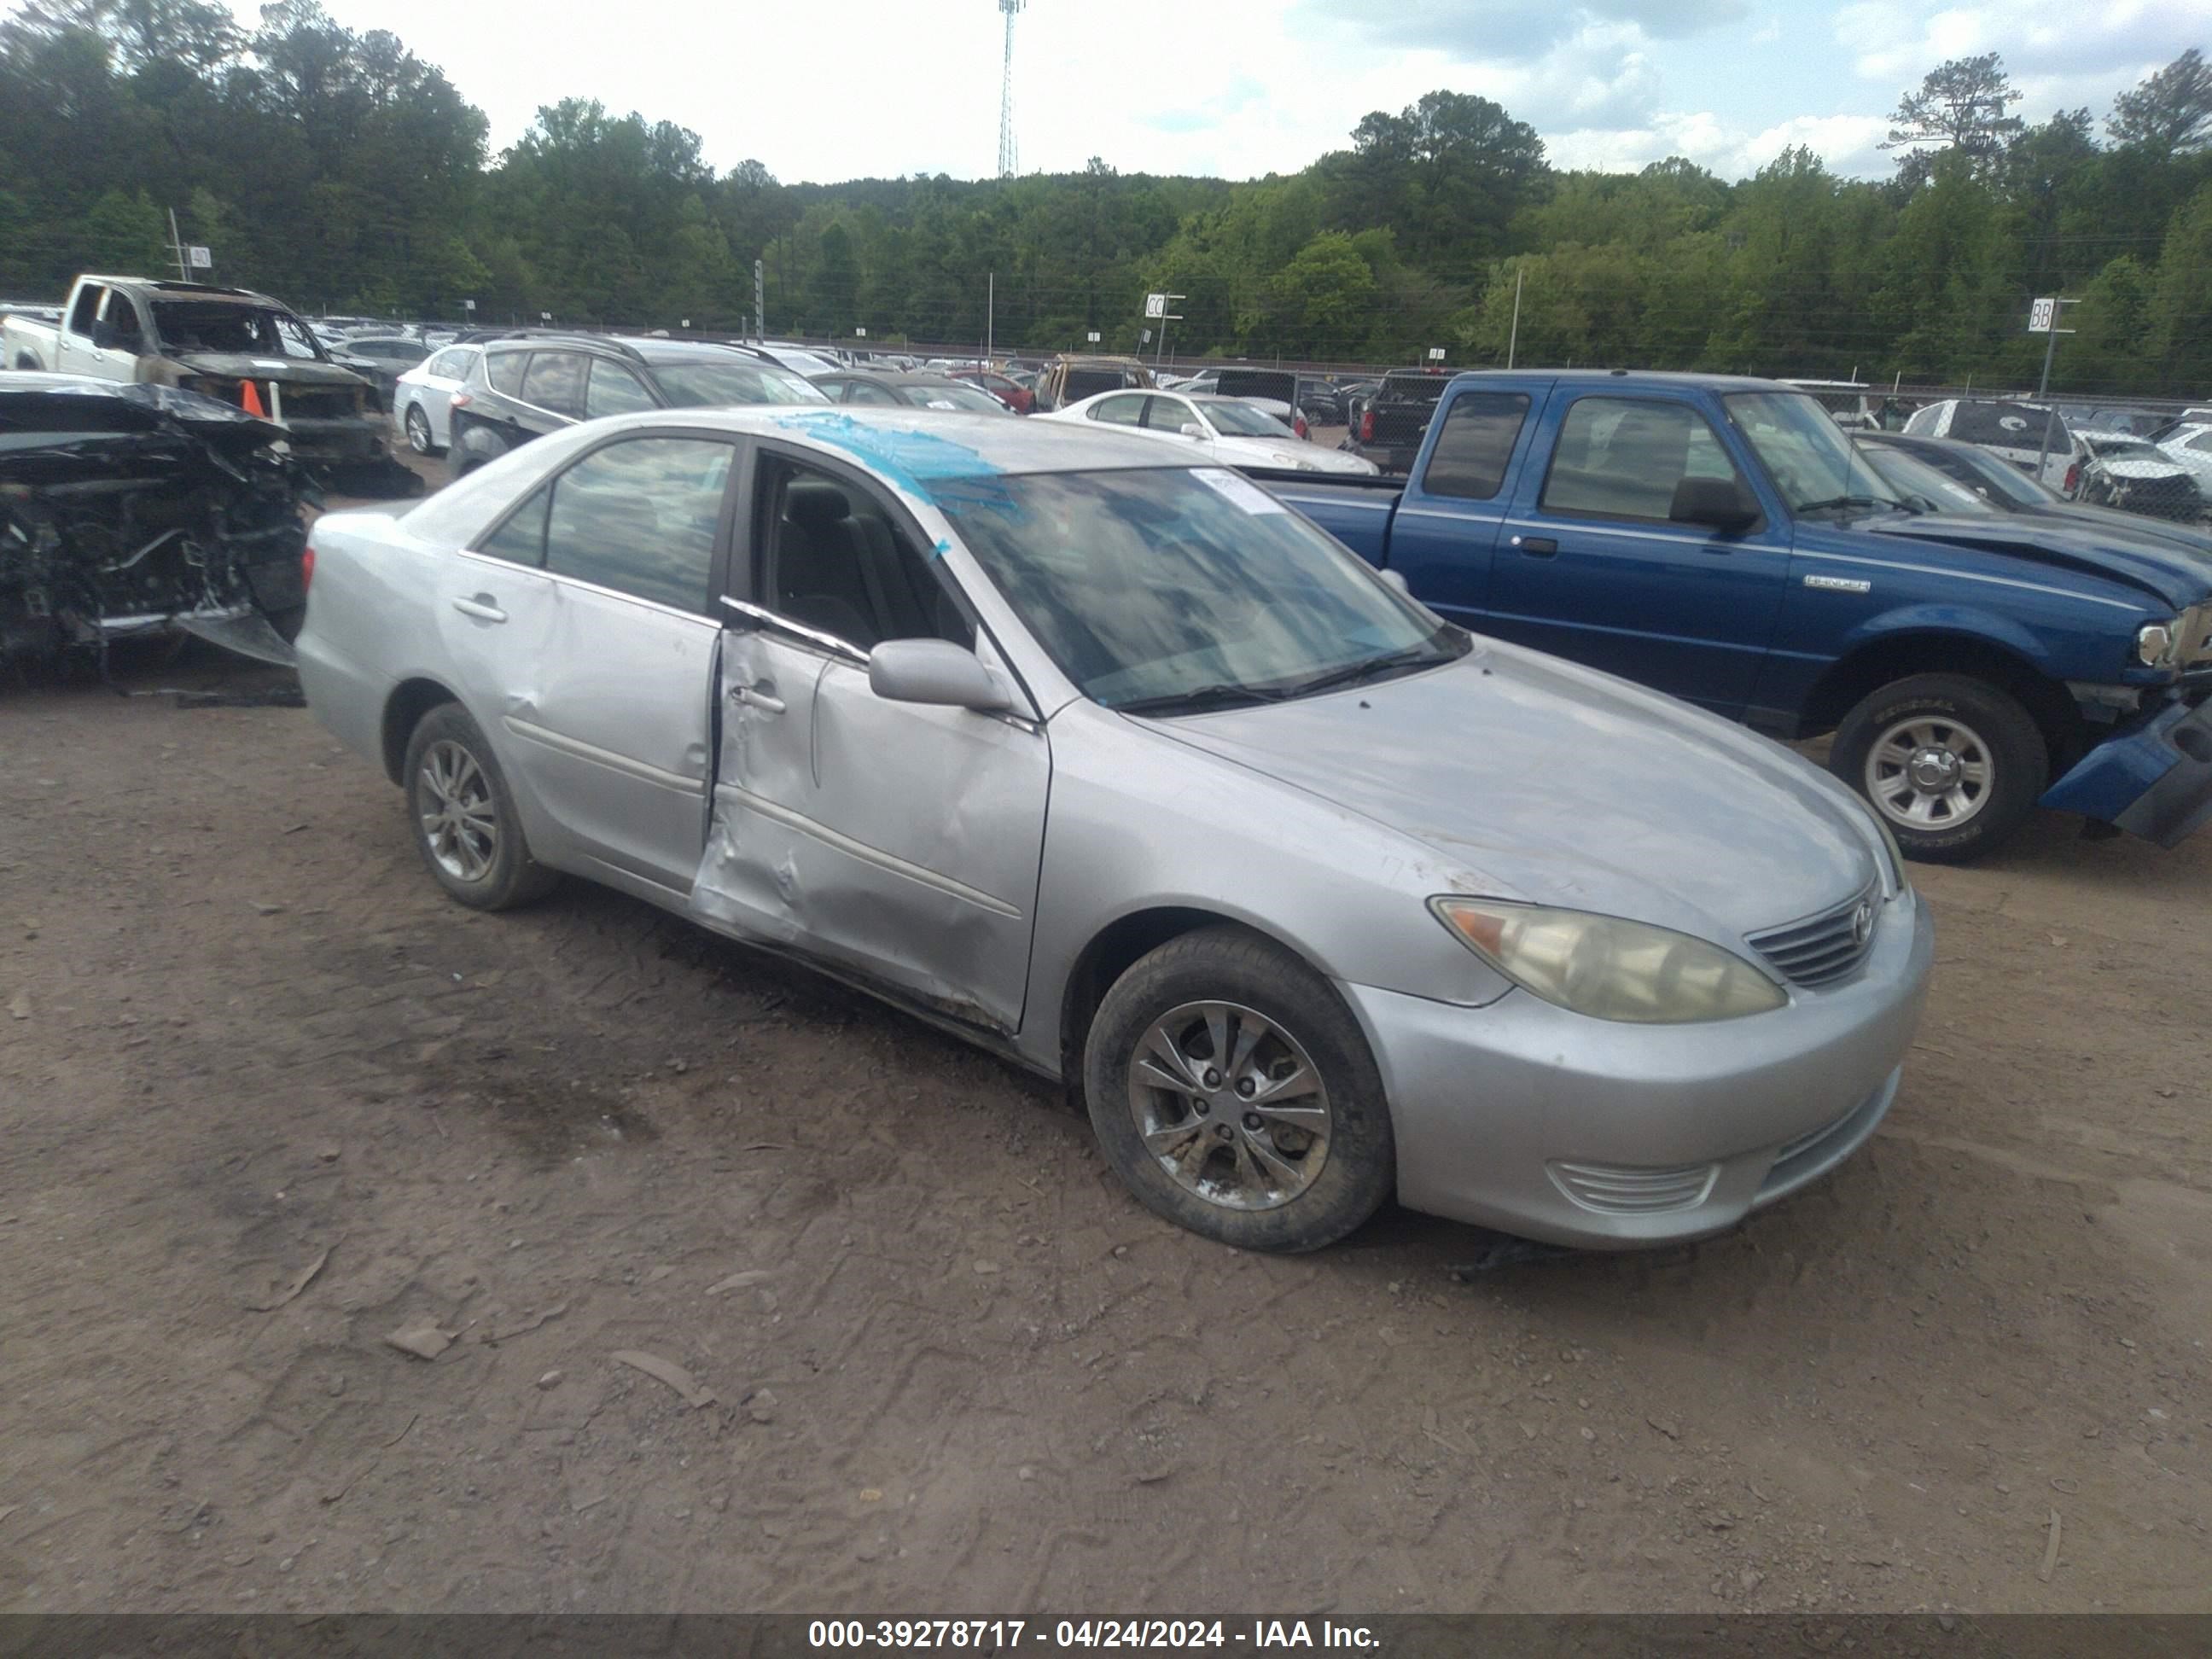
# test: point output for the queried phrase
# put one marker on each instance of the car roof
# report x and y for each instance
(892, 376)
(915, 448)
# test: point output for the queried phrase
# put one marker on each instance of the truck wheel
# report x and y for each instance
(462, 815)
(1954, 765)
(1233, 1093)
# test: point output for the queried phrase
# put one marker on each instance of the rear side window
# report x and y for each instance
(504, 370)
(555, 381)
(1473, 444)
(640, 517)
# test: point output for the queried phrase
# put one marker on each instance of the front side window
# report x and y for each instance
(613, 390)
(640, 517)
(835, 559)
(1156, 586)
(86, 310)
(123, 316)
(705, 385)
(1623, 458)
(555, 381)
(1475, 444)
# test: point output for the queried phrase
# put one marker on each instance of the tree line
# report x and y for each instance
(343, 172)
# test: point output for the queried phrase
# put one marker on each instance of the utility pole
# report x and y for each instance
(1513, 340)
(177, 247)
(990, 315)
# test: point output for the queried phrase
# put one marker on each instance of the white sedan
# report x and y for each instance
(1229, 431)
(425, 392)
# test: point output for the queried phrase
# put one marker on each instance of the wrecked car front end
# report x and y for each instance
(132, 509)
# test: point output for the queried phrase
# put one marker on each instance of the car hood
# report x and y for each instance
(293, 371)
(2162, 568)
(2128, 528)
(1261, 452)
(1529, 778)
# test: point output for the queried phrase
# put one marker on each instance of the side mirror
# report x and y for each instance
(1717, 503)
(1396, 579)
(935, 672)
(1192, 429)
(105, 337)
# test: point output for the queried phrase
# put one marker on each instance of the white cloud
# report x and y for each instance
(1845, 142)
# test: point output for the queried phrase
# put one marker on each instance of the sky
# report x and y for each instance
(833, 90)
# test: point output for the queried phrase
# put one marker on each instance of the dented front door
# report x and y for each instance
(898, 841)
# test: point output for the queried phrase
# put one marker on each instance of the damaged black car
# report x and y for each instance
(130, 509)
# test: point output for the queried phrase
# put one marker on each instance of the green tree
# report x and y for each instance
(2169, 112)
(125, 235)
(1960, 106)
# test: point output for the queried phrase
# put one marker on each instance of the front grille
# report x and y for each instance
(1825, 948)
(1622, 1189)
(323, 404)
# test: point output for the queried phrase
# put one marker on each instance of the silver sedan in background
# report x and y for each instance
(1118, 767)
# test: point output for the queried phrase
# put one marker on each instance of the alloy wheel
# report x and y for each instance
(1230, 1104)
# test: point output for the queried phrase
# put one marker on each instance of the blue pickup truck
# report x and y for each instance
(1722, 539)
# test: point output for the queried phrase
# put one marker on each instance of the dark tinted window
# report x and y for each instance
(1477, 440)
(640, 516)
(1089, 382)
(86, 310)
(504, 369)
(1258, 383)
(2007, 426)
(521, 540)
(614, 390)
(555, 380)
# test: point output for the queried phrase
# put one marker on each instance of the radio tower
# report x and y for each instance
(1007, 94)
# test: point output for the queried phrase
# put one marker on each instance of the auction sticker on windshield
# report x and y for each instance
(1241, 490)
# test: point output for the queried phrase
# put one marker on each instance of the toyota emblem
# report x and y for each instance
(1863, 922)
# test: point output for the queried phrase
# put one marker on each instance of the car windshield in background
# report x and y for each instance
(2001, 477)
(2108, 448)
(1919, 485)
(955, 396)
(2007, 426)
(1166, 591)
(231, 329)
(1241, 420)
(708, 385)
(1811, 461)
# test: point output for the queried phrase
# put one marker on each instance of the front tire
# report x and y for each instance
(1234, 1094)
(1954, 765)
(462, 815)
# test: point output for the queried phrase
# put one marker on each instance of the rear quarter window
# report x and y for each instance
(2007, 426)
(1475, 444)
(504, 370)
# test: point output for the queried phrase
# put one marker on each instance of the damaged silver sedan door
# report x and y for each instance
(899, 840)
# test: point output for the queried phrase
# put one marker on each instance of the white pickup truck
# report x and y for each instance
(225, 343)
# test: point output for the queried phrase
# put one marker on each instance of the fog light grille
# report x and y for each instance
(1619, 1189)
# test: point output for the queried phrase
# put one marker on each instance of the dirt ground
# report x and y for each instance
(266, 1097)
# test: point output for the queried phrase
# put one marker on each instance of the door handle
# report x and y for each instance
(754, 697)
(1536, 547)
(482, 607)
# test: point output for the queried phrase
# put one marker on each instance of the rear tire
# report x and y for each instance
(1286, 1144)
(1953, 765)
(463, 816)
(418, 431)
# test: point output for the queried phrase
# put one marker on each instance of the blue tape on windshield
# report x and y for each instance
(907, 458)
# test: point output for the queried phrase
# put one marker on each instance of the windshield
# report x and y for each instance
(233, 330)
(1919, 485)
(1160, 584)
(1242, 421)
(1806, 453)
(953, 395)
(701, 385)
(2000, 477)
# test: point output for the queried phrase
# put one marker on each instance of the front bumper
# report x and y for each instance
(1527, 1118)
(2154, 779)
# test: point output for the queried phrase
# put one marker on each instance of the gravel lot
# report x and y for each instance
(267, 1098)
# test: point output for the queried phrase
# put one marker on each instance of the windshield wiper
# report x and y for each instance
(1877, 502)
(1219, 695)
(1425, 655)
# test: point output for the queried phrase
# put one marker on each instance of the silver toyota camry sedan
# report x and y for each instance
(1114, 765)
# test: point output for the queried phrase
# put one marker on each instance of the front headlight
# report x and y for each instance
(1609, 968)
(2155, 644)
